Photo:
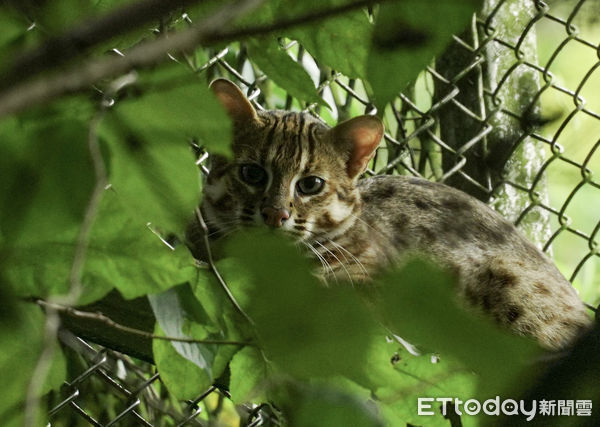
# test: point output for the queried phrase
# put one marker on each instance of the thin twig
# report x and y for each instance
(60, 49)
(52, 323)
(214, 269)
(24, 95)
(42, 367)
(100, 317)
(209, 31)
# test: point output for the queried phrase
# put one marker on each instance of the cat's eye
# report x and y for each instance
(310, 185)
(253, 174)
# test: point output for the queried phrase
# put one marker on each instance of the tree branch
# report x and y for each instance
(209, 31)
(71, 311)
(60, 49)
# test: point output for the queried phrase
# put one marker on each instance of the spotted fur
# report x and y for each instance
(355, 227)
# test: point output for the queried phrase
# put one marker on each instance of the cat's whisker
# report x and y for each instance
(219, 231)
(229, 232)
(342, 250)
(327, 250)
(324, 262)
(224, 232)
(356, 260)
(223, 227)
(318, 255)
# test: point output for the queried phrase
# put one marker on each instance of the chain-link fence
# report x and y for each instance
(508, 113)
(133, 395)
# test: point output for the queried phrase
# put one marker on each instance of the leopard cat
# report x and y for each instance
(290, 171)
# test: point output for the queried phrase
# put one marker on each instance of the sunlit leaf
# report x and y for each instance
(282, 69)
(248, 376)
(397, 377)
(303, 405)
(184, 379)
(423, 311)
(408, 34)
(181, 316)
(215, 302)
(308, 330)
(122, 252)
(153, 168)
(341, 42)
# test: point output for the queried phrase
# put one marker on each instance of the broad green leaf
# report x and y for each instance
(176, 103)
(60, 15)
(47, 177)
(125, 253)
(122, 252)
(307, 329)
(21, 341)
(214, 300)
(153, 168)
(248, 376)
(180, 315)
(184, 379)
(13, 27)
(310, 406)
(423, 311)
(396, 378)
(282, 69)
(408, 34)
(341, 42)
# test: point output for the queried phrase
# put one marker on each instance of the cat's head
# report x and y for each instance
(289, 170)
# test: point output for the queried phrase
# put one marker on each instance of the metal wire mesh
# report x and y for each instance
(132, 394)
(533, 159)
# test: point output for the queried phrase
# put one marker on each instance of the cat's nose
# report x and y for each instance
(275, 217)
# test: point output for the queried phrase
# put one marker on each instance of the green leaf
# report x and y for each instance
(307, 329)
(248, 376)
(341, 43)
(122, 252)
(217, 305)
(423, 311)
(184, 379)
(181, 316)
(408, 34)
(21, 342)
(62, 14)
(396, 378)
(13, 27)
(47, 177)
(308, 406)
(282, 69)
(153, 169)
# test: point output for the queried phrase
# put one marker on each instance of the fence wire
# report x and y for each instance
(132, 394)
(509, 113)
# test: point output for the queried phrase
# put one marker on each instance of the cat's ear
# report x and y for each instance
(232, 98)
(360, 136)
